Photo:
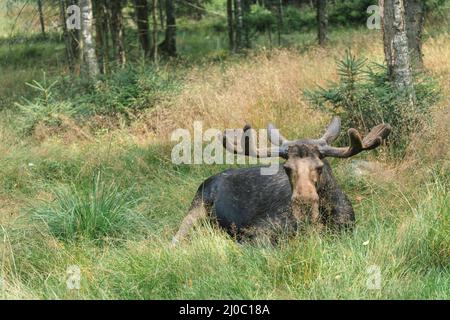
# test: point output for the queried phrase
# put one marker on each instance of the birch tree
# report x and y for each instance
(87, 39)
(396, 47)
(155, 30)
(230, 23)
(415, 15)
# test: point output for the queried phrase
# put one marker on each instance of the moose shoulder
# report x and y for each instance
(303, 189)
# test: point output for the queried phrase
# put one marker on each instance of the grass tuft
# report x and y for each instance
(97, 211)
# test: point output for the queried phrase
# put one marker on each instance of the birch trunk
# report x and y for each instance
(230, 22)
(415, 14)
(87, 39)
(239, 24)
(396, 47)
(155, 30)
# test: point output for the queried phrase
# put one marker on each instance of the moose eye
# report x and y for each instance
(319, 170)
(287, 169)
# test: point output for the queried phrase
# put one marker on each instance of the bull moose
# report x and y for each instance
(303, 189)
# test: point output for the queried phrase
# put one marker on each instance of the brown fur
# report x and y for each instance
(303, 168)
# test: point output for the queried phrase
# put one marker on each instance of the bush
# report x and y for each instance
(299, 19)
(351, 12)
(341, 13)
(125, 91)
(261, 19)
(364, 97)
(93, 212)
(45, 108)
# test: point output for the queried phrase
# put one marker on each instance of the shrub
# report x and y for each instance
(351, 12)
(341, 13)
(93, 212)
(45, 108)
(261, 19)
(125, 91)
(299, 19)
(364, 97)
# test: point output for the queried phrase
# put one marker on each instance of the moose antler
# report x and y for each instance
(247, 145)
(357, 145)
(280, 144)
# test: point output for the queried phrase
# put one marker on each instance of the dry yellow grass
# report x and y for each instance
(268, 87)
(433, 143)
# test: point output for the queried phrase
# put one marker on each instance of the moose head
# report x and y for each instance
(305, 158)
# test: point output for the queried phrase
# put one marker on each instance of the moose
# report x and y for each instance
(304, 189)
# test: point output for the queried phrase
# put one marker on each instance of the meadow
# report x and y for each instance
(86, 182)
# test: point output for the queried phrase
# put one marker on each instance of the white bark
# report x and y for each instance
(88, 44)
(415, 14)
(396, 46)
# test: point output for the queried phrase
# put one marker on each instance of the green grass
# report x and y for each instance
(95, 212)
(403, 232)
(111, 206)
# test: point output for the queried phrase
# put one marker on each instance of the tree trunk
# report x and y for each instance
(322, 21)
(141, 11)
(101, 35)
(239, 24)
(279, 20)
(246, 25)
(87, 39)
(230, 21)
(169, 46)
(161, 13)
(117, 32)
(75, 36)
(155, 31)
(66, 35)
(41, 17)
(415, 13)
(396, 47)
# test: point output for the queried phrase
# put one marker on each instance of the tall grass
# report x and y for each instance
(93, 212)
(402, 208)
(408, 245)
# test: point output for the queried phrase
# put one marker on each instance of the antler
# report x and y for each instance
(280, 144)
(333, 130)
(248, 146)
(357, 145)
(275, 137)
